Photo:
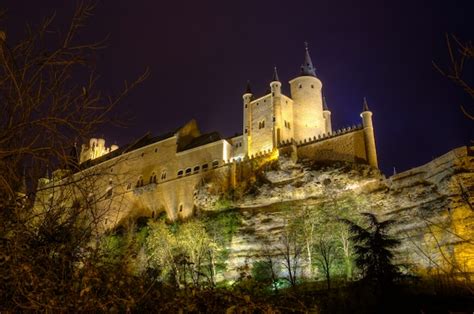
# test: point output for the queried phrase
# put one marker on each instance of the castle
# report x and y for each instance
(156, 174)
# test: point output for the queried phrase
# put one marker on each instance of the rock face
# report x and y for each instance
(433, 206)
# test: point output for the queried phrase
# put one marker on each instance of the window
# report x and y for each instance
(274, 119)
(289, 125)
(205, 167)
(245, 130)
(180, 207)
(300, 86)
(129, 186)
(163, 175)
(188, 171)
(156, 150)
(140, 182)
(196, 169)
(111, 169)
(261, 124)
(312, 86)
(180, 173)
(143, 154)
(153, 178)
(215, 164)
(245, 106)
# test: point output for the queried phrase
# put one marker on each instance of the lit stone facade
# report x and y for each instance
(161, 174)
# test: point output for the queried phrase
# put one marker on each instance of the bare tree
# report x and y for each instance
(291, 248)
(47, 262)
(326, 255)
(46, 104)
(460, 53)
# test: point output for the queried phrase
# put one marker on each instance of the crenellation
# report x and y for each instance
(162, 173)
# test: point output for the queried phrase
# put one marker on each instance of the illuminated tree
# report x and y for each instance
(291, 248)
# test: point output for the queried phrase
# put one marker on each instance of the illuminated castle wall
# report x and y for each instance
(156, 174)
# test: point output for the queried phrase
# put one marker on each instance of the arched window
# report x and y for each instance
(196, 169)
(153, 178)
(180, 173)
(215, 164)
(188, 171)
(139, 182)
(205, 167)
(163, 175)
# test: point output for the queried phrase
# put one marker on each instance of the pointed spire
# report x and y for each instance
(275, 75)
(307, 69)
(248, 90)
(325, 105)
(365, 106)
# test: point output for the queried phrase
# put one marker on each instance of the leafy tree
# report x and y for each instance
(373, 249)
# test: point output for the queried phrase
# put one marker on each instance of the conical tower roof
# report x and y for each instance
(325, 105)
(275, 77)
(307, 69)
(248, 90)
(365, 106)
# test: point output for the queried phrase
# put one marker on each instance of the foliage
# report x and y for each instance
(373, 250)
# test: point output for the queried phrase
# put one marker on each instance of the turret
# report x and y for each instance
(327, 116)
(275, 84)
(247, 98)
(308, 116)
(275, 87)
(369, 136)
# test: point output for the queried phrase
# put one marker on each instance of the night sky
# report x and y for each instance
(201, 53)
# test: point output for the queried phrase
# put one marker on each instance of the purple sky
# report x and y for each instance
(201, 53)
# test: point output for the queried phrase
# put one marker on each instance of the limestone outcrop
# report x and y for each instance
(433, 206)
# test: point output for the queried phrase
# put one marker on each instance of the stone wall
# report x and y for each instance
(341, 146)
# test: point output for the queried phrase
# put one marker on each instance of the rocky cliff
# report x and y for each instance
(432, 204)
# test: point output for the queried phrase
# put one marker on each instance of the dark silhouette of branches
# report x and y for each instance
(460, 53)
(49, 98)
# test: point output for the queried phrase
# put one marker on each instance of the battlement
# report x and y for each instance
(321, 137)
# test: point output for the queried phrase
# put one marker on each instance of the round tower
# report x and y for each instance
(247, 98)
(308, 118)
(275, 88)
(369, 136)
(327, 116)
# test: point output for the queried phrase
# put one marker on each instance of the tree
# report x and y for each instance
(373, 249)
(326, 255)
(49, 99)
(291, 248)
(459, 57)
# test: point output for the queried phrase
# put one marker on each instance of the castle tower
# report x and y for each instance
(369, 137)
(327, 116)
(305, 89)
(247, 98)
(275, 88)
